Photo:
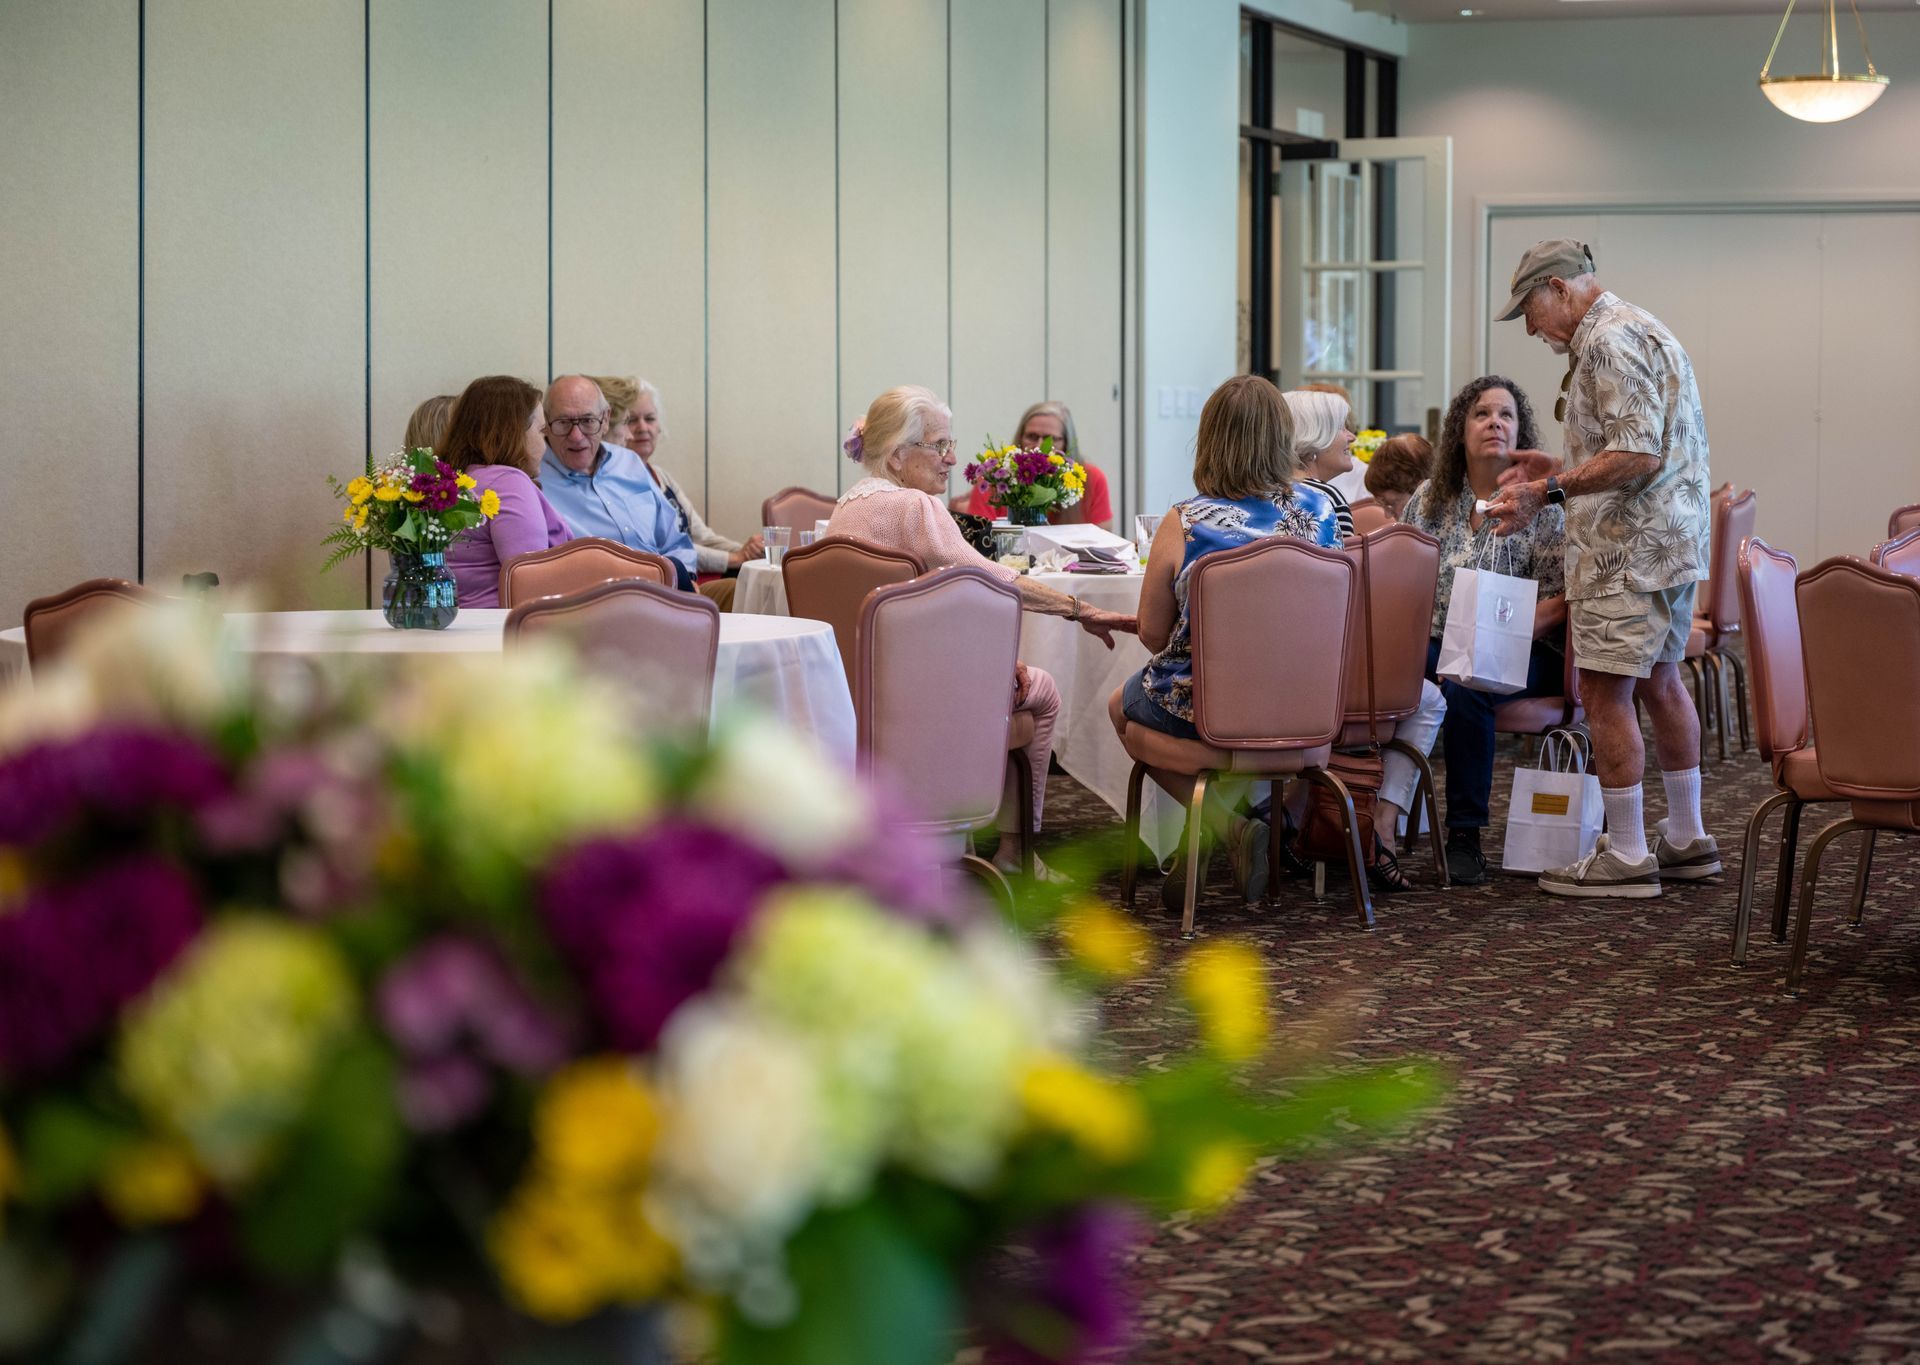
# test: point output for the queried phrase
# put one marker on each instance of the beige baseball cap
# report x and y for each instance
(1560, 257)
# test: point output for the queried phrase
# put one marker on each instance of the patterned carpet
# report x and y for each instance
(1648, 1154)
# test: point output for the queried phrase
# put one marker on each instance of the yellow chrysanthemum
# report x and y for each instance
(412, 496)
(387, 492)
(566, 1250)
(349, 514)
(150, 1182)
(597, 1121)
(360, 489)
(1104, 941)
(489, 504)
(360, 520)
(464, 481)
(1216, 1174)
(1226, 985)
(1105, 1119)
(1056, 459)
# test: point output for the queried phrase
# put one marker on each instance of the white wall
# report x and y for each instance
(772, 208)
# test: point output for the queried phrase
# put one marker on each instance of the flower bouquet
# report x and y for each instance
(411, 505)
(341, 1024)
(1366, 442)
(1029, 483)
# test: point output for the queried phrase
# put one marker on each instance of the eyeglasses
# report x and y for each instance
(943, 448)
(591, 426)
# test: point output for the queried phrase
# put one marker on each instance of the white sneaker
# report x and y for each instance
(1604, 873)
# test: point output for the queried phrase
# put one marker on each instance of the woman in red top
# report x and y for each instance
(1037, 423)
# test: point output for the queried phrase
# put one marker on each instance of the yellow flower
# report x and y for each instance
(1104, 941)
(566, 1250)
(412, 496)
(151, 1181)
(1216, 1174)
(597, 1121)
(360, 489)
(1056, 459)
(349, 514)
(360, 520)
(464, 481)
(1226, 985)
(1104, 1118)
(489, 504)
(387, 492)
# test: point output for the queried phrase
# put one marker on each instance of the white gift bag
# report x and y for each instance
(1488, 640)
(1556, 811)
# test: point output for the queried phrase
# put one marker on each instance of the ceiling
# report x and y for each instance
(1434, 11)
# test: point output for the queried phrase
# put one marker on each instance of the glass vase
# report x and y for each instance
(1027, 516)
(424, 595)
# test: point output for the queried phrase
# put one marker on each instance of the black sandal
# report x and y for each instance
(1383, 873)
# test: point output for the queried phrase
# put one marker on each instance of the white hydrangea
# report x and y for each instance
(770, 779)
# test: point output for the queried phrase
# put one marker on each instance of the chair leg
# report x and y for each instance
(1415, 808)
(1749, 871)
(1699, 701)
(1196, 837)
(1783, 884)
(1860, 876)
(1356, 860)
(1716, 693)
(1023, 805)
(1130, 849)
(1796, 965)
(1739, 667)
(1423, 788)
(1276, 828)
(992, 878)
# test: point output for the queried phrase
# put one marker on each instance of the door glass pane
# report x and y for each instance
(1392, 405)
(1309, 86)
(1331, 340)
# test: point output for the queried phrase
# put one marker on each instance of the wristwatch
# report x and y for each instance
(1556, 495)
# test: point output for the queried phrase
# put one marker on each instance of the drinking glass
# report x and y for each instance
(1146, 525)
(808, 537)
(777, 539)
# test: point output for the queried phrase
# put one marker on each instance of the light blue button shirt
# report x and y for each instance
(617, 501)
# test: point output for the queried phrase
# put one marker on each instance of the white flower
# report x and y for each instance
(769, 779)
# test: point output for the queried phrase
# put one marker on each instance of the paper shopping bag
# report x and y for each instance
(1556, 811)
(1488, 639)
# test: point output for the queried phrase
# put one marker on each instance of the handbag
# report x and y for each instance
(1555, 814)
(1323, 833)
(1488, 639)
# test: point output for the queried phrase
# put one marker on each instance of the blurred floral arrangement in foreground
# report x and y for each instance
(345, 986)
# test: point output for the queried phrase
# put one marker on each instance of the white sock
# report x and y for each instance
(1626, 832)
(1683, 807)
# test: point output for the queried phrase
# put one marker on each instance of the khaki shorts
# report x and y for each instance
(1629, 632)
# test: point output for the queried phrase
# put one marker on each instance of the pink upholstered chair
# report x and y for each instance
(51, 622)
(796, 507)
(1541, 716)
(1369, 516)
(1904, 519)
(564, 569)
(1783, 730)
(933, 694)
(1717, 620)
(830, 579)
(1269, 624)
(1899, 555)
(660, 644)
(1861, 626)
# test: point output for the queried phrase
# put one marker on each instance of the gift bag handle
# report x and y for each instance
(1486, 559)
(1564, 750)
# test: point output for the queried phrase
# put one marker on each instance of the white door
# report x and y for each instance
(1366, 274)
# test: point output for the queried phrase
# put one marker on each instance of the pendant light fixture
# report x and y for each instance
(1833, 94)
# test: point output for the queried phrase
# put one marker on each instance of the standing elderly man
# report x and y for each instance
(1634, 485)
(605, 490)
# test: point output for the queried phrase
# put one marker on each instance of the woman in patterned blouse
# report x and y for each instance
(1486, 422)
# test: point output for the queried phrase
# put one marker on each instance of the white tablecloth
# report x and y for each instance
(1086, 671)
(786, 668)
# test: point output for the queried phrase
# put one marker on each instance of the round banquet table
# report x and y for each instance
(788, 669)
(1086, 671)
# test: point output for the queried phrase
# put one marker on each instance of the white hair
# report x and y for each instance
(1318, 420)
(897, 418)
(659, 409)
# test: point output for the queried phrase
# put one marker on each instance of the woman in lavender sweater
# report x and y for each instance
(497, 435)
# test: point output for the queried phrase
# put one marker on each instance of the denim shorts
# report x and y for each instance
(1141, 709)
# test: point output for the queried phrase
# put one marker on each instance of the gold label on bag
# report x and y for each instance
(1546, 803)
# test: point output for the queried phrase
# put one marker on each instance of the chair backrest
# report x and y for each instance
(797, 507)
(1369, 516)
(1401, 573)
(1861, 630)
(1773, 648)
(1733, 520)
(1901, 554)
(561, 570)
(52, 622)
(933, 691)
(1904, 519)
(829, 579)
(658, 643)
(1269, 622)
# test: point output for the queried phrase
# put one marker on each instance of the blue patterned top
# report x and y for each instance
(1221, 524)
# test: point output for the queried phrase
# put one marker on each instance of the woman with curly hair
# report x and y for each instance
(1486, 422)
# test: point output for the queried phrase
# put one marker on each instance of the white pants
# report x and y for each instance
(1398, 773)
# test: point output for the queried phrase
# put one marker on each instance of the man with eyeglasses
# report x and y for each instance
(1634, 485)
(605, 490)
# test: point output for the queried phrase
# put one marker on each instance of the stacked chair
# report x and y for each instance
(565, 569)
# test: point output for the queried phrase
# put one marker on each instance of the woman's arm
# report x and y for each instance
(521, 526)
(1159, 612)
(1549, 614)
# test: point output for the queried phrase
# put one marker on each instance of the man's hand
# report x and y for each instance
(1517, 506)
(1529, 465)
(755, 547)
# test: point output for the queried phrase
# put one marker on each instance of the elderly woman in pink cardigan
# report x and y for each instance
(905, 445)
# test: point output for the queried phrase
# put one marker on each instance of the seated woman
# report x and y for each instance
(1037, 423)
(1323, 446)
(497, 434)
(634, 420)
(905, 445)
(1486, 422)
(1400, 464)
(427, 428)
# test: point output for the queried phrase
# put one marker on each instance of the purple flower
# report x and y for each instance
(648, 921)
(114, 775)
(1063, 1300)
(74, 953)
(900, 869)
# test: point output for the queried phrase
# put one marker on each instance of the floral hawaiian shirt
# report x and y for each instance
(1532, 552)
(1632, 388)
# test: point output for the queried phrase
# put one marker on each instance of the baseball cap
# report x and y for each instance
(1557, 256)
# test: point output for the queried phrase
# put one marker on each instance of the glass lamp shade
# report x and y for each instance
(1822, 99)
